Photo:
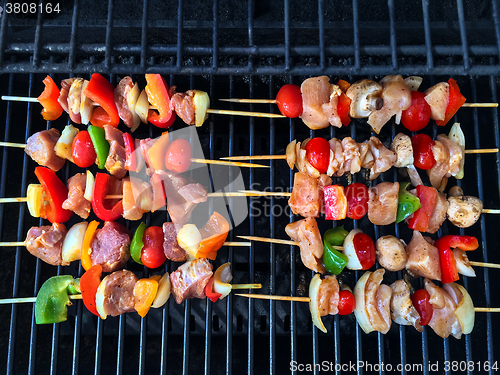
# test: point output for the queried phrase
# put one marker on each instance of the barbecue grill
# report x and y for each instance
(246, 49)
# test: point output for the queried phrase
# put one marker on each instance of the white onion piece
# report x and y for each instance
(465, 310)
(414, 175)
(353, 263)
(65, 141)
(73, 242)
(35, 199)
(142, 107)
(360, 311)
(457, 135)
(201, 103)
(189, 238)
(463, 265)
(290, 154)
(99, 299)
(222, 277)
(330, 170)
(89, 186)
(86, 106)
(314, 303)
(132, 98)
(163, 293)
(75, 95)
(413, 82)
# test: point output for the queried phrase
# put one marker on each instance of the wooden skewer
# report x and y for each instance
(213, 111)
(273, 101)
(283, 157)
(23, 243)
(307, 299)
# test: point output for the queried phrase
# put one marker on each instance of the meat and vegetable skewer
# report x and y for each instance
(320, 104)
(99, 103)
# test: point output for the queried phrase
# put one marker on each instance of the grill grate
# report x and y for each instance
(247, 49)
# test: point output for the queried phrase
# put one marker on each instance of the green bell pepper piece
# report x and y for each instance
(136, 245)
(52, 300)
(333, 260)
(101, 145)
(74, 287)
(407, 202)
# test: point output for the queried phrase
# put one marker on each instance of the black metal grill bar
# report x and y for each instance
(144, 34)
(394, 54)
(215, 35)
(355, 22)
(109, 36)
(287, 36)
(180, 25)
(73, 37)
(496, 20)
(463, 34)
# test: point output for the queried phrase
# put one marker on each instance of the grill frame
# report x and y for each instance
(255, 76)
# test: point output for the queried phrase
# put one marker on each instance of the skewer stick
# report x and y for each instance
(273, 101)
(235, 244)
(481, 264)
(246, 286)
(281, 242)
(307, 299)
(31, 299)
(482, 151)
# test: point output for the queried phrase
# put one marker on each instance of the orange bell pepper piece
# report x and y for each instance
(87, 241)
(157, 152)
(144, 294)
(209, 246)
(48, 99)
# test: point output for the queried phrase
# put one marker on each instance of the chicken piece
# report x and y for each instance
(76, 201)
(365, 155)
(384, 306)
(384, 158)
(111, 246)
(438, 172)
(183, 105)
(328, 296)
(40, 148)
(115, 294)
(115, 162)
(336, 167)
(352, 162)
(65, 100)
(444, 322)
(330, 108)
(75, 96)
(46, 243)
(171, 247)
(306, 233)
(391, 253)
(437, 98)
(402, 310)
(304, 200)
(436, 294)
(366, 97)
(121, 91)
(455, 153)
(464, 211)
(423, 258)
(377, 302)
(315, 91)
(383, 203)
(401, 146)
(145, 145)
(137, 196)
(439, 211)
(190, 279)
(397, 98)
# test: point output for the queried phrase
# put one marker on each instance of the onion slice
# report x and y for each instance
(65, 141)
(201, 102)
(142, 107)
(457, 135)
(353, 263)
(89, 186)
(463, 264)
(36, 198)
(99, 299)
(163, 293)
(189, 238)
(132, 99)
(290, 154)
(465, 311)
(73, 242)
(222, 277)
(360, 311)
(314, 303)
(86, 106)
(413, 82)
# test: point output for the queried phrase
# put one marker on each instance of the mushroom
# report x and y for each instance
(365, 97)
(464, 211)
(391, 253)
(402, 147)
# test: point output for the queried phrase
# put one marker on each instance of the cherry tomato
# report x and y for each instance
(420, 300)
(347, 303)
(152, 254)
(82, 150)
(422, 151)
(343, 108)
(289, 101)
(365, 250)
(318, 154)
(418, 115)
(178, 156)
(357, 200)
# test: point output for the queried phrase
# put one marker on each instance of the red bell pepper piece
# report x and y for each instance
(357, 200)
(99, 205)
(131, 162)
(420, 219)
(343, 108)
(335, 202)
(449, 272)
(209, 291)
(159, 97)
(49, 100)
(101, 91)
(56, 192)
(455, 101)
(159, 200)
(89, 282)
